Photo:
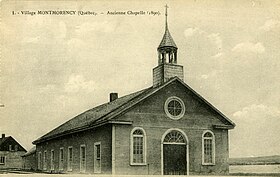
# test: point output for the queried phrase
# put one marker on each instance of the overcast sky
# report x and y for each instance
(55, 67)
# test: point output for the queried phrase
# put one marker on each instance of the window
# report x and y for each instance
(45, 160)
(97, 157)
(2, 160)
(208, 148)
(16, 147)
(70, 158)
(83, 158)
(174, 108)
(138, 147)
(61, 158)
(97, 151)
(40, 161)
(52, 159)
(174, 136)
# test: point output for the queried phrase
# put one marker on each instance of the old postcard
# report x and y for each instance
(140, 87)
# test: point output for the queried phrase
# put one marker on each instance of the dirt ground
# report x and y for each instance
(87, 175)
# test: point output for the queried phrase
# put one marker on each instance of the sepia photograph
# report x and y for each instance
(140, 88)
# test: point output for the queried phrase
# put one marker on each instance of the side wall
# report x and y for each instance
(12, 159)
(87, 138)
(29, 162)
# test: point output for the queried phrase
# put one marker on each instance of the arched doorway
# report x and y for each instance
(174, 153)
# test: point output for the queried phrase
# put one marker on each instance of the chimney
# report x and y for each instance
(3, 135)
(113, 96)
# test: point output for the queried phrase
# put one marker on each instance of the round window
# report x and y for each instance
(174, 108)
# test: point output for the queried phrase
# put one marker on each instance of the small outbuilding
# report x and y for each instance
(29, 160)
(10, 153)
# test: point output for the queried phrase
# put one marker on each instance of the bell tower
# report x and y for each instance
(167, 59)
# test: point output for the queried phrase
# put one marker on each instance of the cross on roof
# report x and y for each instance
(166, 15)
(166, 9)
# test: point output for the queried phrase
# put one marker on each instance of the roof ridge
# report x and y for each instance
(136, 95)
(155, 90)
(129, 102)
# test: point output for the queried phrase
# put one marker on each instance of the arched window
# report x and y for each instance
(174, 137)
(208, 148)
(138, 147)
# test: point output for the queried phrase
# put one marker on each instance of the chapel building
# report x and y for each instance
(166, 129)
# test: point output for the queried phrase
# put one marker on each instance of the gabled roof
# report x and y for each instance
(4, 142)
(104, 113)
(167, 40)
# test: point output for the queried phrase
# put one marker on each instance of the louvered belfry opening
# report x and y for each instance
(167, 49)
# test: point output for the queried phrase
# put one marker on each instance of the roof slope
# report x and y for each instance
(88, 117)
(7, 141)
(106, 112)
(2, 140)
(31, 151)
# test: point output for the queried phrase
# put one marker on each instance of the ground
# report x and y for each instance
(247, 170)
(27, 174)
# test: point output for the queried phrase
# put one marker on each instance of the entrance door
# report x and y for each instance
(174, 158)
(174, 153)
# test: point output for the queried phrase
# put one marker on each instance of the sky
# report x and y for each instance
(54, 67)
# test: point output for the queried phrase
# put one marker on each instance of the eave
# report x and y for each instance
(80, 129)
(223, 127)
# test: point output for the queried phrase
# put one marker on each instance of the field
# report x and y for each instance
(265, 160)
(255, 169)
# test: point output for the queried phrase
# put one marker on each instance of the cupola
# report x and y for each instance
(167, 59)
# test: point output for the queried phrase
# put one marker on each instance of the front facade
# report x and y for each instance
(167, 129)
(191, 143)
(10, 153)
